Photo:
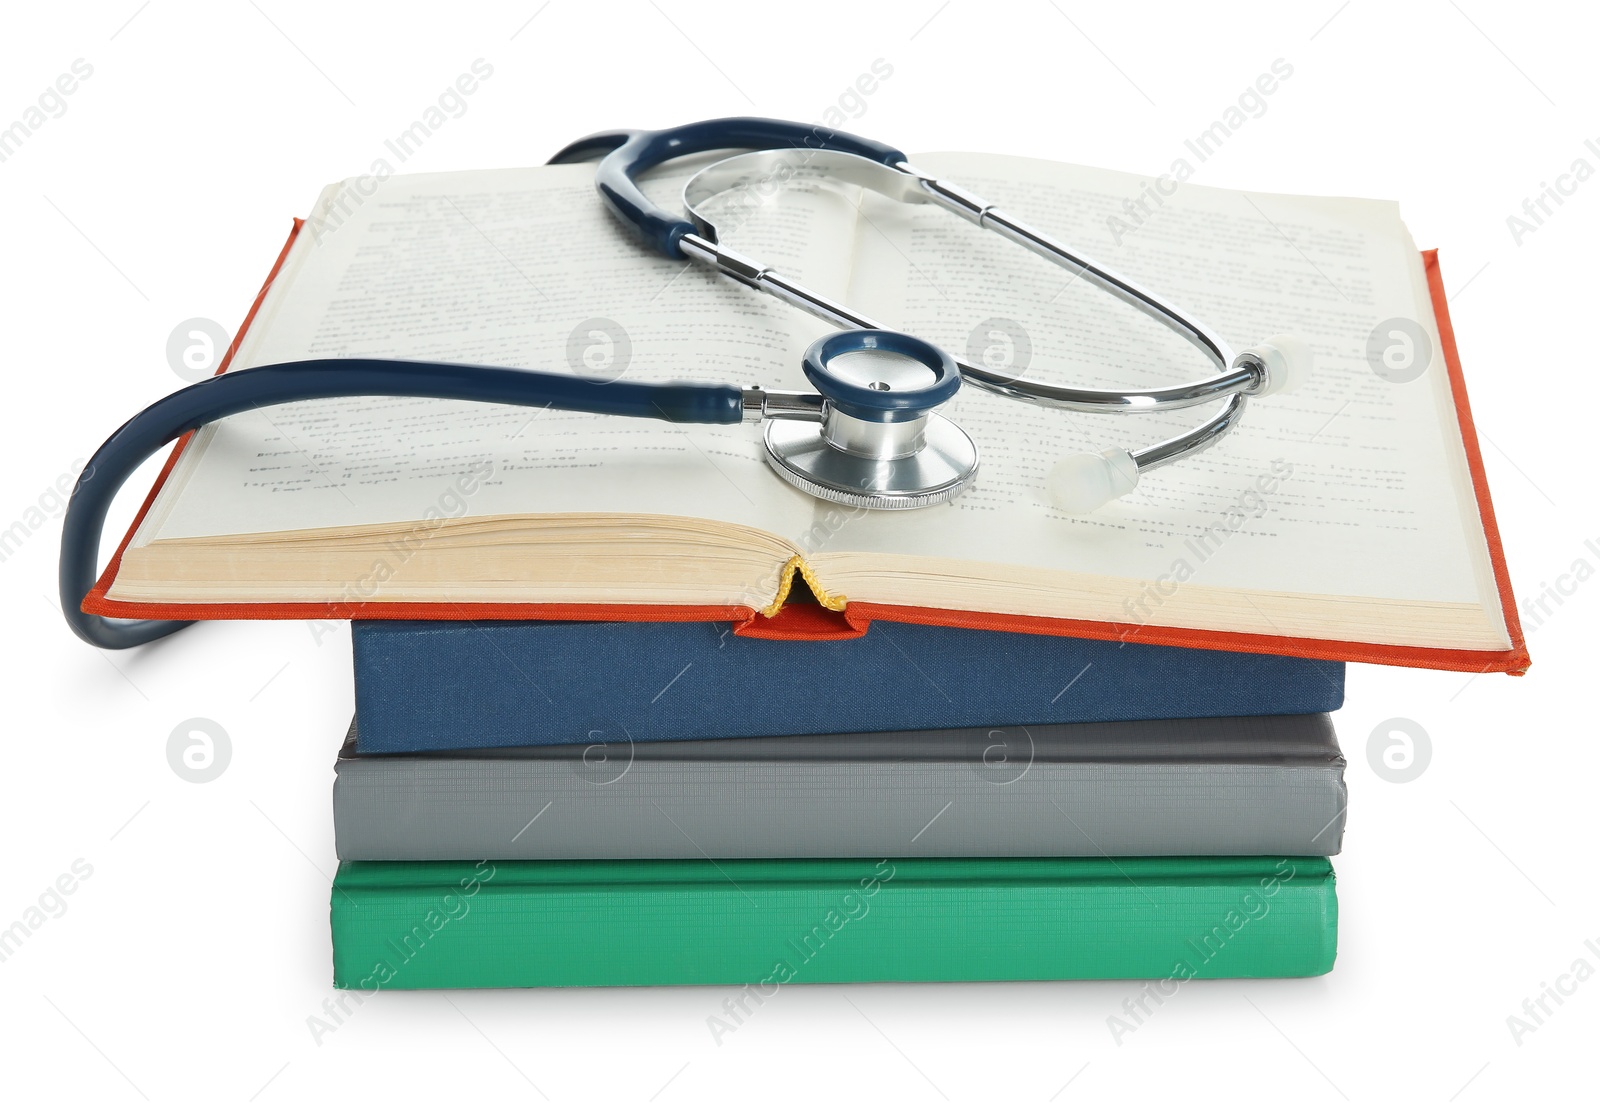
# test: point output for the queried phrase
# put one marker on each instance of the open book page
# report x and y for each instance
(510, 267)
(1355, 488)
(1354, 485)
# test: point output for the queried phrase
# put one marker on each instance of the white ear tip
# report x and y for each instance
(1085, 482)
(1288, 360)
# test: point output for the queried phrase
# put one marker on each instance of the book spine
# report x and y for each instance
(389, 809)
(490, 925)
(443, 686)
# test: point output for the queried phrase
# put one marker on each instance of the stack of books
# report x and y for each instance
(560, 804)
(632, 710)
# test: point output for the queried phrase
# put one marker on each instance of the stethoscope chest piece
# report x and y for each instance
(879, 443)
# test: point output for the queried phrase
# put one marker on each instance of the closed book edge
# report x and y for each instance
(408, 925)
(436, 685)
(1241, 786)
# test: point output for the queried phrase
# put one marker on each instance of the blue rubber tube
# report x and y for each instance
(273, 385)
(625, 154)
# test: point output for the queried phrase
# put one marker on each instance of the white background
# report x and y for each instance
(186, 965)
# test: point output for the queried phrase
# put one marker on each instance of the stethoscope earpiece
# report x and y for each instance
(874, 441)
(1284, 360)
(1084, 482)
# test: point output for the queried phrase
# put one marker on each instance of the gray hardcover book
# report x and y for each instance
(1240, 785)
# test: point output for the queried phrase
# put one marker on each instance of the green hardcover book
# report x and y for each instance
(767, 922)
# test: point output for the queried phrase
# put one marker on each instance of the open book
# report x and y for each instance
(1349, 520)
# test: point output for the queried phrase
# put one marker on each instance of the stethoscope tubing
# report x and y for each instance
(276, 384)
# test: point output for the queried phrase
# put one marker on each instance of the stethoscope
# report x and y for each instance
(869, 435)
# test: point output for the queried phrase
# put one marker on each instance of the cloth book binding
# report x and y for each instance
(440, 685)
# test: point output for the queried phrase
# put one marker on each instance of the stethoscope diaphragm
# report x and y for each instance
(879, 444)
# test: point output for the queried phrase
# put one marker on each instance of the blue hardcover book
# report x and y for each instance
(453, 685)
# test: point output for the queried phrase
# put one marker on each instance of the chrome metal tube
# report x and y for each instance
(1127, 291)
(764, 405)
(1240, 380)
(1193, 441)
